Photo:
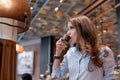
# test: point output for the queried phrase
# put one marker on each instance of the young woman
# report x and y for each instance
(87, 60)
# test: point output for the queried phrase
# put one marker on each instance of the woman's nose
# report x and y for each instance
(68, 33)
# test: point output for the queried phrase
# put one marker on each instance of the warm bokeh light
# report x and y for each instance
(6, 3)
(19, 48)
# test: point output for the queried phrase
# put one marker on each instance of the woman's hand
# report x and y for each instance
(60, 46)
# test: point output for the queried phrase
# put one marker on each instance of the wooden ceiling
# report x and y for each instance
(50, 22)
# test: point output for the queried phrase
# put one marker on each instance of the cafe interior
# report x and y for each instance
(29, 32)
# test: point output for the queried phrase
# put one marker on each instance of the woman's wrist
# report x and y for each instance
(57, 53)
(57, 57)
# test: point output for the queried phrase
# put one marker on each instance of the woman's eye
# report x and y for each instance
(71, 27)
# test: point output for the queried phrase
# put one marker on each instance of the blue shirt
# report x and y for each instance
(77, 66)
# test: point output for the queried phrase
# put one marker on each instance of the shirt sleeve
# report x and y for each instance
(108, 64)
(62, 70)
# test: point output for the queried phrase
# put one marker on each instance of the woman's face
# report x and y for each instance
(71, 31)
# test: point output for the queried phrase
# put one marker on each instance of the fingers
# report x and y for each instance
(60, 43)
(60, 46)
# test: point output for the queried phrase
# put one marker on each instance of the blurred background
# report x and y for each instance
(48, 23)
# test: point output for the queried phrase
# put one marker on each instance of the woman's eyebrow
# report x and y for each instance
(66, 27)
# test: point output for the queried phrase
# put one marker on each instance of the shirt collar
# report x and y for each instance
(75, 49)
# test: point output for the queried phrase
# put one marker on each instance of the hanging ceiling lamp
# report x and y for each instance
(18, 10)
(15, 16)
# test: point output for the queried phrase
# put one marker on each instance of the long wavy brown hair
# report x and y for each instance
(87, 31)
